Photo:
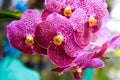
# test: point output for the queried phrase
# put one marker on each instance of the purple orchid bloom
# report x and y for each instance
(110, 45)
(114, 43)
(98, 14)
(60, 6)
(82, 31)
(84, 60)
(21, 33)
(87, 17)
(86, 25)
(81, 65)
(56, 35)
(70, 34)
(67, 7)
(94, 14)
(100, 35)
(68, 29)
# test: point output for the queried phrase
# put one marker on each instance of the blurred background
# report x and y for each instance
(17, 66)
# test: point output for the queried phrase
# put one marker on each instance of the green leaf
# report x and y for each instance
(8, 15)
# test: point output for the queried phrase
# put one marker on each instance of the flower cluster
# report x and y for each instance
(71, 32)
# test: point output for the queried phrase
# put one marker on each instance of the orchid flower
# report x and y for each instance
(86, 16)
(83, 33)
(21, 33)
(57, 32)
(70, 32)
(56, 35)
(85, 60)
(114, 43)
(67, 7)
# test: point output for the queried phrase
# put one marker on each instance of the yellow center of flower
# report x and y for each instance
(58, 39)
(68, 11)
(105, 53)
(92, 21)
(79, 70)
(29, 40)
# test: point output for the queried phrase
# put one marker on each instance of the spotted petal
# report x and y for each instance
(95, 63)
(54, 5)
(82, 58)
(71, 48)
(39, 49)
(82, 32)
(53, 25)
(44, 14)
(44, 33)
(103, 35)
(78, 18)
(30, 18)
(98, 52)
(58, 56)
(82, 38)
(16, 35)
(98, 8)
(114, 43)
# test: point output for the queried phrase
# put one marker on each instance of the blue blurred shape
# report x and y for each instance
(20, 5)
(13, 69)
(88, 74)
(8, 50)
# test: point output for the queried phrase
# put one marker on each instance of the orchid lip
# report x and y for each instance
(77, 73)
(58, 39)
(79, 70)
(92, 21)
(29, 40)
(68, 11)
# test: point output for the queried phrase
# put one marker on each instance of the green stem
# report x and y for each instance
(6, 16)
